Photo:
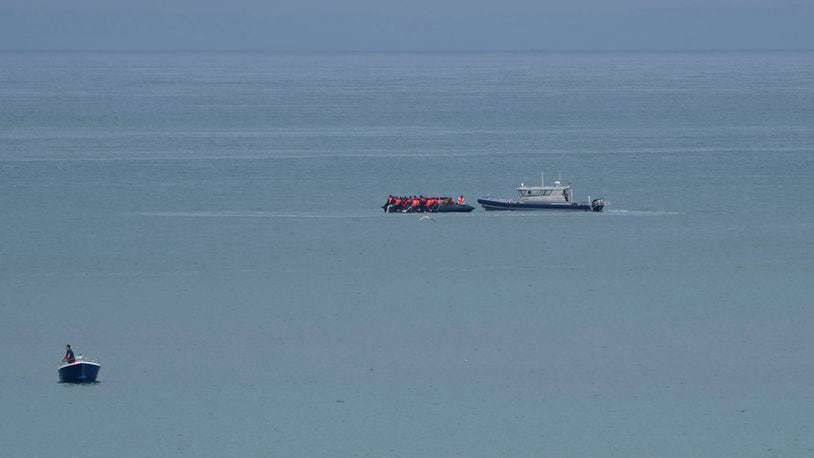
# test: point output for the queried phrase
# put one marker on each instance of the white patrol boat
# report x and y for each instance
(556, 197)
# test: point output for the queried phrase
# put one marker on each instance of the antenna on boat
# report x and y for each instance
(542, 177)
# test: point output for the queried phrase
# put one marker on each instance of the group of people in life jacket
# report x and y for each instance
(417, 204)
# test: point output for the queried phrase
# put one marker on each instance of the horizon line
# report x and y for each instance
(402, 51)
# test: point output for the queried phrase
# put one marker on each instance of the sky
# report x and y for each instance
(397, 25)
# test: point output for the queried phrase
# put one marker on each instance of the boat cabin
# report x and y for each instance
(556, 193)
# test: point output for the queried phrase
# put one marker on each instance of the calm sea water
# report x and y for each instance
(208, 226)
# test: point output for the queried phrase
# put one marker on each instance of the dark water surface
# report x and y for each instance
(207, 225)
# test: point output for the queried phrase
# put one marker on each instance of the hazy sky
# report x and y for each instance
(433, 25)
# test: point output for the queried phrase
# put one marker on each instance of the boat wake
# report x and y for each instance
(569, 214)
(248, 214)
(374, 215)
(617, 212)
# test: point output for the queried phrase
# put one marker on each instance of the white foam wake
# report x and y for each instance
(617, 212)
(245, 214)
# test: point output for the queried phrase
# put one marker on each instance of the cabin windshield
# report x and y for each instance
(535, 192)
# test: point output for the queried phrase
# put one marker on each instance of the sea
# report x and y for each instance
(209, 227)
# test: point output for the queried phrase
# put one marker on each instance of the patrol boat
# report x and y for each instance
(557, 197)
(82, 370)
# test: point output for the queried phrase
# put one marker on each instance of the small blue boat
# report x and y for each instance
(80, 371)
(557, 197)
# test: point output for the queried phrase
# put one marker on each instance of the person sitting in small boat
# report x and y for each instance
(461, 200)
(422, 204)
(387, 204)
(69, 357)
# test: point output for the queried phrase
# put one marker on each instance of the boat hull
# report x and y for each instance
(454, 208)
(79, 372)
(513, 205)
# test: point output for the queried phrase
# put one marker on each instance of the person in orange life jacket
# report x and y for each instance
(69, 358)
(393, 202)
(461, 200)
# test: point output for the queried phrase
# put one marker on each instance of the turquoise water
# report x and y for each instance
(208, 226)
